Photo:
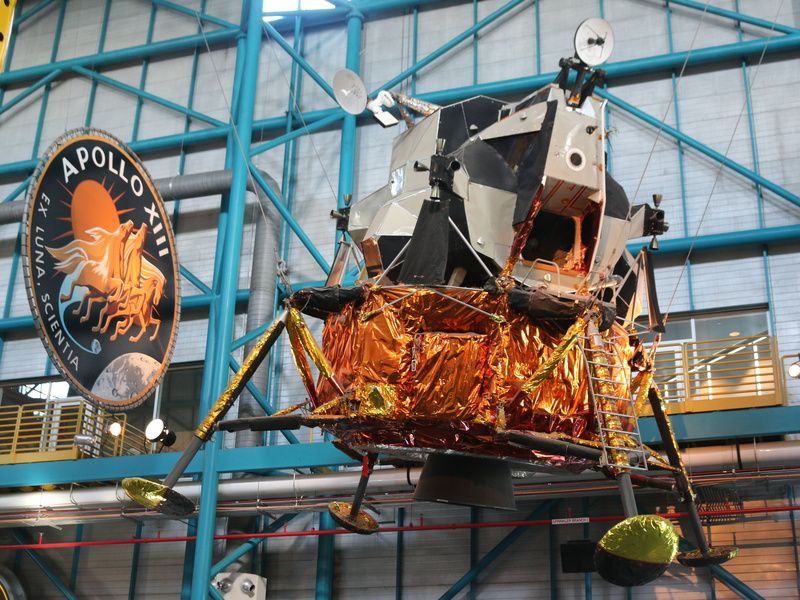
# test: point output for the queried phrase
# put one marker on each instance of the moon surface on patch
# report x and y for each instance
(126, 376)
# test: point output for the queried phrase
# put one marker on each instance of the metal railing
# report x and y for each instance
(723, 374)
(63, 429)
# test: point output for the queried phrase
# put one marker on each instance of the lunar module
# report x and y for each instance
(494, 327)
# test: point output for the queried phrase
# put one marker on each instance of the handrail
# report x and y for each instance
(720, 374)
(43, 431)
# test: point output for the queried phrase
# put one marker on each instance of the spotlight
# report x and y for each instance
(84, 440)
(794, 368)
(115, 428)
(156, 431)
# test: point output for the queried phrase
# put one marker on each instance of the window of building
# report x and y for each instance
(718, 360)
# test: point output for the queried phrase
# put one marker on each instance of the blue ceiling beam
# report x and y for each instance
(523, 85)
(735, 16)
(700, 147)
(723, 241)
(143, 94)
(196, 14)
(302, 62)
(123, 55)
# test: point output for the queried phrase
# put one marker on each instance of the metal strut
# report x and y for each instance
(349, 514)
(705, 555)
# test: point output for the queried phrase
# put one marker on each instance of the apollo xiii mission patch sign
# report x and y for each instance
(101, 269)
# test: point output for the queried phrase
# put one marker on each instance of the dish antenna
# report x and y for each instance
(351, 94)
(350, 91)
(594, 41)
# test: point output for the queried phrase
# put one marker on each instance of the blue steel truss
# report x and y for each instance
(221, 296)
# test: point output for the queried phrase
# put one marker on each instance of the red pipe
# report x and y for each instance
(450, 526)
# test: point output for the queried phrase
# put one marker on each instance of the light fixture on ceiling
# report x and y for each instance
(794, 368)
(735, 333)
(156, 431)
(115, 428)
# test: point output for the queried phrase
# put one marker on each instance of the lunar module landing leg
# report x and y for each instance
(160, 496)
(705, 555)
(349, 514)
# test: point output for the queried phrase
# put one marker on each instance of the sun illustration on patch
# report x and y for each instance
(101, 268)
(106, 261)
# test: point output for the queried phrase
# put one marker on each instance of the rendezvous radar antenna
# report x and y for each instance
(594, 43)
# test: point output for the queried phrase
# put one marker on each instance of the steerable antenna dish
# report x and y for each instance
(350, 91)
(594, 41)
(351, 94)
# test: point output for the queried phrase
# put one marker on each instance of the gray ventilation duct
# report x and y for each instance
(262, 301)
(180, 187)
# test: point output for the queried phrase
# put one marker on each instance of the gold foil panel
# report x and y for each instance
(302, 340)
(642, 385)
(522, 234)
(448, 360)
(559, 352)
(376, 399)
(309, 344)
(300, 361)
(448, 374)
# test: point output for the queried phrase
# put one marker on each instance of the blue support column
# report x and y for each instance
(347, 148)
(226, 279)
(587, 577)
(135, 552)
(400, 555)
(325, 558)
(143, 75)
(681, 162)
(495, 552)
(188, 561)
(287, 191)
(250, 544)
(474, 517)
(76, 558)
(37, 138)
(552, 543)
(100, 45)
(751, 128)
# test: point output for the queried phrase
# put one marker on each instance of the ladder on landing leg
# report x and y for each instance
(615, 412)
